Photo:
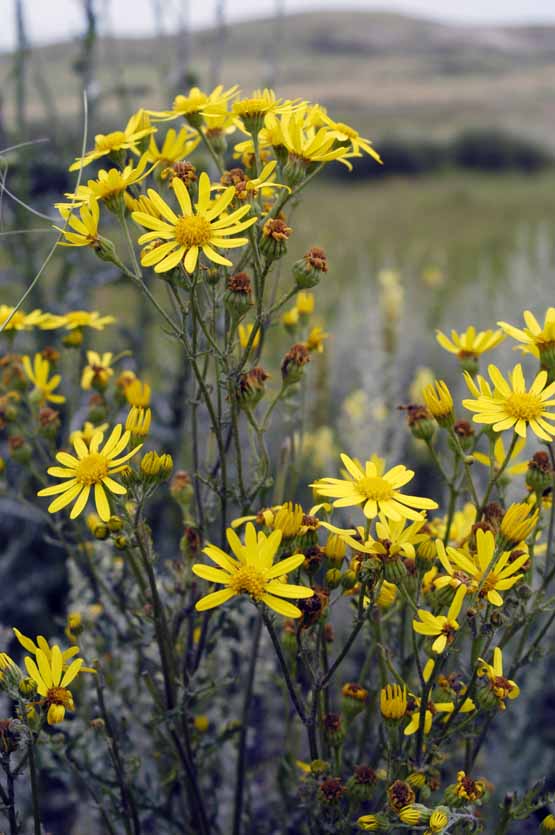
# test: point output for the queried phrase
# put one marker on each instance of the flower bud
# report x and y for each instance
(275, 234)
(292, 366)
(238, 295)
(308, 271)
(333, 729)
(348, 579)
(19, 449)
(360, 786)
(354, 698)
(420, 422)
(539, 476)
(333, 578)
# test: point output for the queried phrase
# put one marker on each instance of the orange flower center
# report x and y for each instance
(523, 405)
(248, 580)
(92, 468)
(376, 488)
(193, 231)
(60, 696)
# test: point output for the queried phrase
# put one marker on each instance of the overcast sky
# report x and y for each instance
(49, 20)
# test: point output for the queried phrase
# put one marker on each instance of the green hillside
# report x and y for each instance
(391, 73)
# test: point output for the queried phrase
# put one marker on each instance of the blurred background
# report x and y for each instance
(456, 228)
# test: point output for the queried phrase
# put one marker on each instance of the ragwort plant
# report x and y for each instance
(325, 669)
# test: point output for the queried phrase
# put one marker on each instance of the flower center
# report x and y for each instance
(60, 696)
(524, 406)
(109, 141)
(374, 487)
(248, 580)
(92, 469)
(193, 231)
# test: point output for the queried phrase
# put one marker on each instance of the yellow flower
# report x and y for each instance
(119, 140)
(501, 687)
(244, 332)
(303, 141)
(480, 573)
(536, 340)
(438, 821)
(290, 318)
(42, 645)
(52, 682)
(176, 146)
(86, 319)
(433, 708)
(87, 432)
(111, 184)
(346, 135)
(38, 374)
(378, 493)
(19, 320)
(370, 823)
(393, 701)
(441, 627)
(394, 538)
(499, 455)
(251, 570)
(138, 421)
(470, 343)
(512, 407)
(85, 227)
(315, 340)
(202, 228)
(548, 824)
(93, 467)
(439, 402)
(386, 596)
(196, 105)
(305, 303)
(98, 370)
(260, 103)
(138, 394)
(517, 524)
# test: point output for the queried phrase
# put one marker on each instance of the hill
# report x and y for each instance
(393, 74)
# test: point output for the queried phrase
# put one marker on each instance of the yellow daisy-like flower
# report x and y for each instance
(346, 135)
(377, 492)
(394, 538)
(502, 688)
(52, 682)
(480, 572)
(93, 467)
(251, 570)
(260, 103)
(42, 645)
(120, 140)
(470, 343)
(438, 821)
(315, 340)
(176, 146)
(98, 370)
(442, 627)
(535, 339)
(111, 184)
(87, 432)
(19, 320)
(196, 105)
(432, 709)
(303, 141)
(499, 455)
(205, 228)
(86, 319)
(85, 227)
(38, 373)
(511, 406)
(439, 402)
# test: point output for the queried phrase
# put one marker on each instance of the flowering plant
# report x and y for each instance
(371, 641)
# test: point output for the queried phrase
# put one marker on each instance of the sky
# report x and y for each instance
(55, 20)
